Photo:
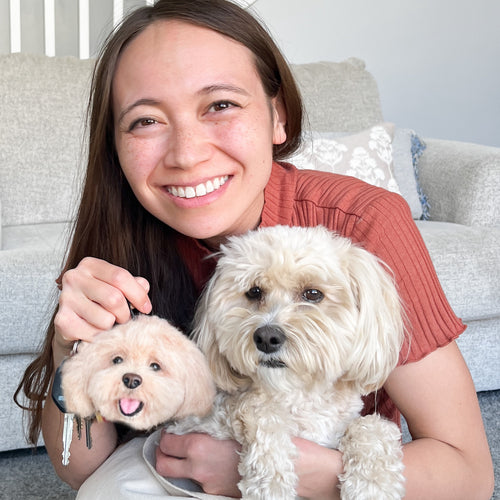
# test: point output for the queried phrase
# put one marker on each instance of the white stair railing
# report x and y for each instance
(15, 25)
(84, 29)
(49, 25)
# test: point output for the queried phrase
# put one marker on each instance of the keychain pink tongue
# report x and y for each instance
(130, 406)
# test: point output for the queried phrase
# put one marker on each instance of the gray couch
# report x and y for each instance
(42, 102)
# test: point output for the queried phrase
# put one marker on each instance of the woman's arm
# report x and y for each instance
(94, 296)
(449, 456)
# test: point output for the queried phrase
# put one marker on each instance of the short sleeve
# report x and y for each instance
(387, 230)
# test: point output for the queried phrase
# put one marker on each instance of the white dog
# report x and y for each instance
(297, 324)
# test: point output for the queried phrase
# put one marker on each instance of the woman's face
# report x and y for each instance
(194, 129)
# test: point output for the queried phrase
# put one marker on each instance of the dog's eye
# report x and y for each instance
(255, 293)
(117, 360)
(155, 367)
(312, 295)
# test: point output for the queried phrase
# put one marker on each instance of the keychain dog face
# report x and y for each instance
(142, 373)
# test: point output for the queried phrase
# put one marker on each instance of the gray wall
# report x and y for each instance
(437, 62)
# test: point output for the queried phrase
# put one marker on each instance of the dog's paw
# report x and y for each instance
(373, 460)
(184, 426)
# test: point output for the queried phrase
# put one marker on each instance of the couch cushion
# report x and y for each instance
(467, 264)
(29, 264)
(405, 169)
(367, 155)
(12, 419)
(322, 151)
(43, 102)
(353, 102)
(481, 350)
(36, 236)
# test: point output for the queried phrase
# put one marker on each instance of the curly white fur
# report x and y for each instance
(297, 324)
(142, 373)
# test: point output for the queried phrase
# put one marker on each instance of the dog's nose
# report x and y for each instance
(131, 380)
(268, 339)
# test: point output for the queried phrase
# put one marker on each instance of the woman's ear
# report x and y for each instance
(279, 119)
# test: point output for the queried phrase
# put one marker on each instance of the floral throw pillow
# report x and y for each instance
(366, 155)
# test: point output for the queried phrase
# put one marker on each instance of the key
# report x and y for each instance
(78, 420)
(88, 437)
(67, 437)
(58, 398)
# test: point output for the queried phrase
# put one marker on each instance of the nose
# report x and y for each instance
(131, 380)
(187, 144)
(269, 339)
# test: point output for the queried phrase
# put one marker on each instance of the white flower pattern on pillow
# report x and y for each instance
(366, 156)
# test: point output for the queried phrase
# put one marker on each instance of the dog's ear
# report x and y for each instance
(380, 326)
(200, 389)
(204, 334)
(76, 373)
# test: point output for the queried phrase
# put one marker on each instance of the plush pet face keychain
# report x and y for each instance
(142, 373)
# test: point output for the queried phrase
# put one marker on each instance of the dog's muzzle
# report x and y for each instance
(269, 339)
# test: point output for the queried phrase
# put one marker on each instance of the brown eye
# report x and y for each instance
(255, 293)
(312, 295)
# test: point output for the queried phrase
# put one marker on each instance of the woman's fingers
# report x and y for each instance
(96, 295)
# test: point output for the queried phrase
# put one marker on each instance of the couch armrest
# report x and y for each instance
(462, 182)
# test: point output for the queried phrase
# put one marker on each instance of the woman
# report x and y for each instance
(192, 107)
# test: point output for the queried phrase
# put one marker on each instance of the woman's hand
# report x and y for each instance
(213, 464)
(317, 468)
(94, 297)
(210, 462)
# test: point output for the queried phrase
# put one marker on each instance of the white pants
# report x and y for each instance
(129, 473)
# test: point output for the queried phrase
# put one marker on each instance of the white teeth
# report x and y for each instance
(199, 190)
(209, 187)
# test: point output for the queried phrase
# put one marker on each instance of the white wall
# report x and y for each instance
(437, 62)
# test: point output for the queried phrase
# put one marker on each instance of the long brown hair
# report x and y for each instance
(111, 224)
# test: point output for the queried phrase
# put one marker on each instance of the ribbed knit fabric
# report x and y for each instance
(377, 220)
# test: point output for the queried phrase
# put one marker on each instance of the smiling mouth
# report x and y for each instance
(200, 190)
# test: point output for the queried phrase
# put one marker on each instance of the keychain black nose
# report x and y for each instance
(131, 380)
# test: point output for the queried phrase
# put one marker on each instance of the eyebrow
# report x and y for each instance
(139, 102)
(209, 89)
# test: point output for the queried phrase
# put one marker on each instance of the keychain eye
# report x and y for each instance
(117, 360)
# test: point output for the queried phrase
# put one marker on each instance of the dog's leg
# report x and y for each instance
(267, 460)
(372, 456)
